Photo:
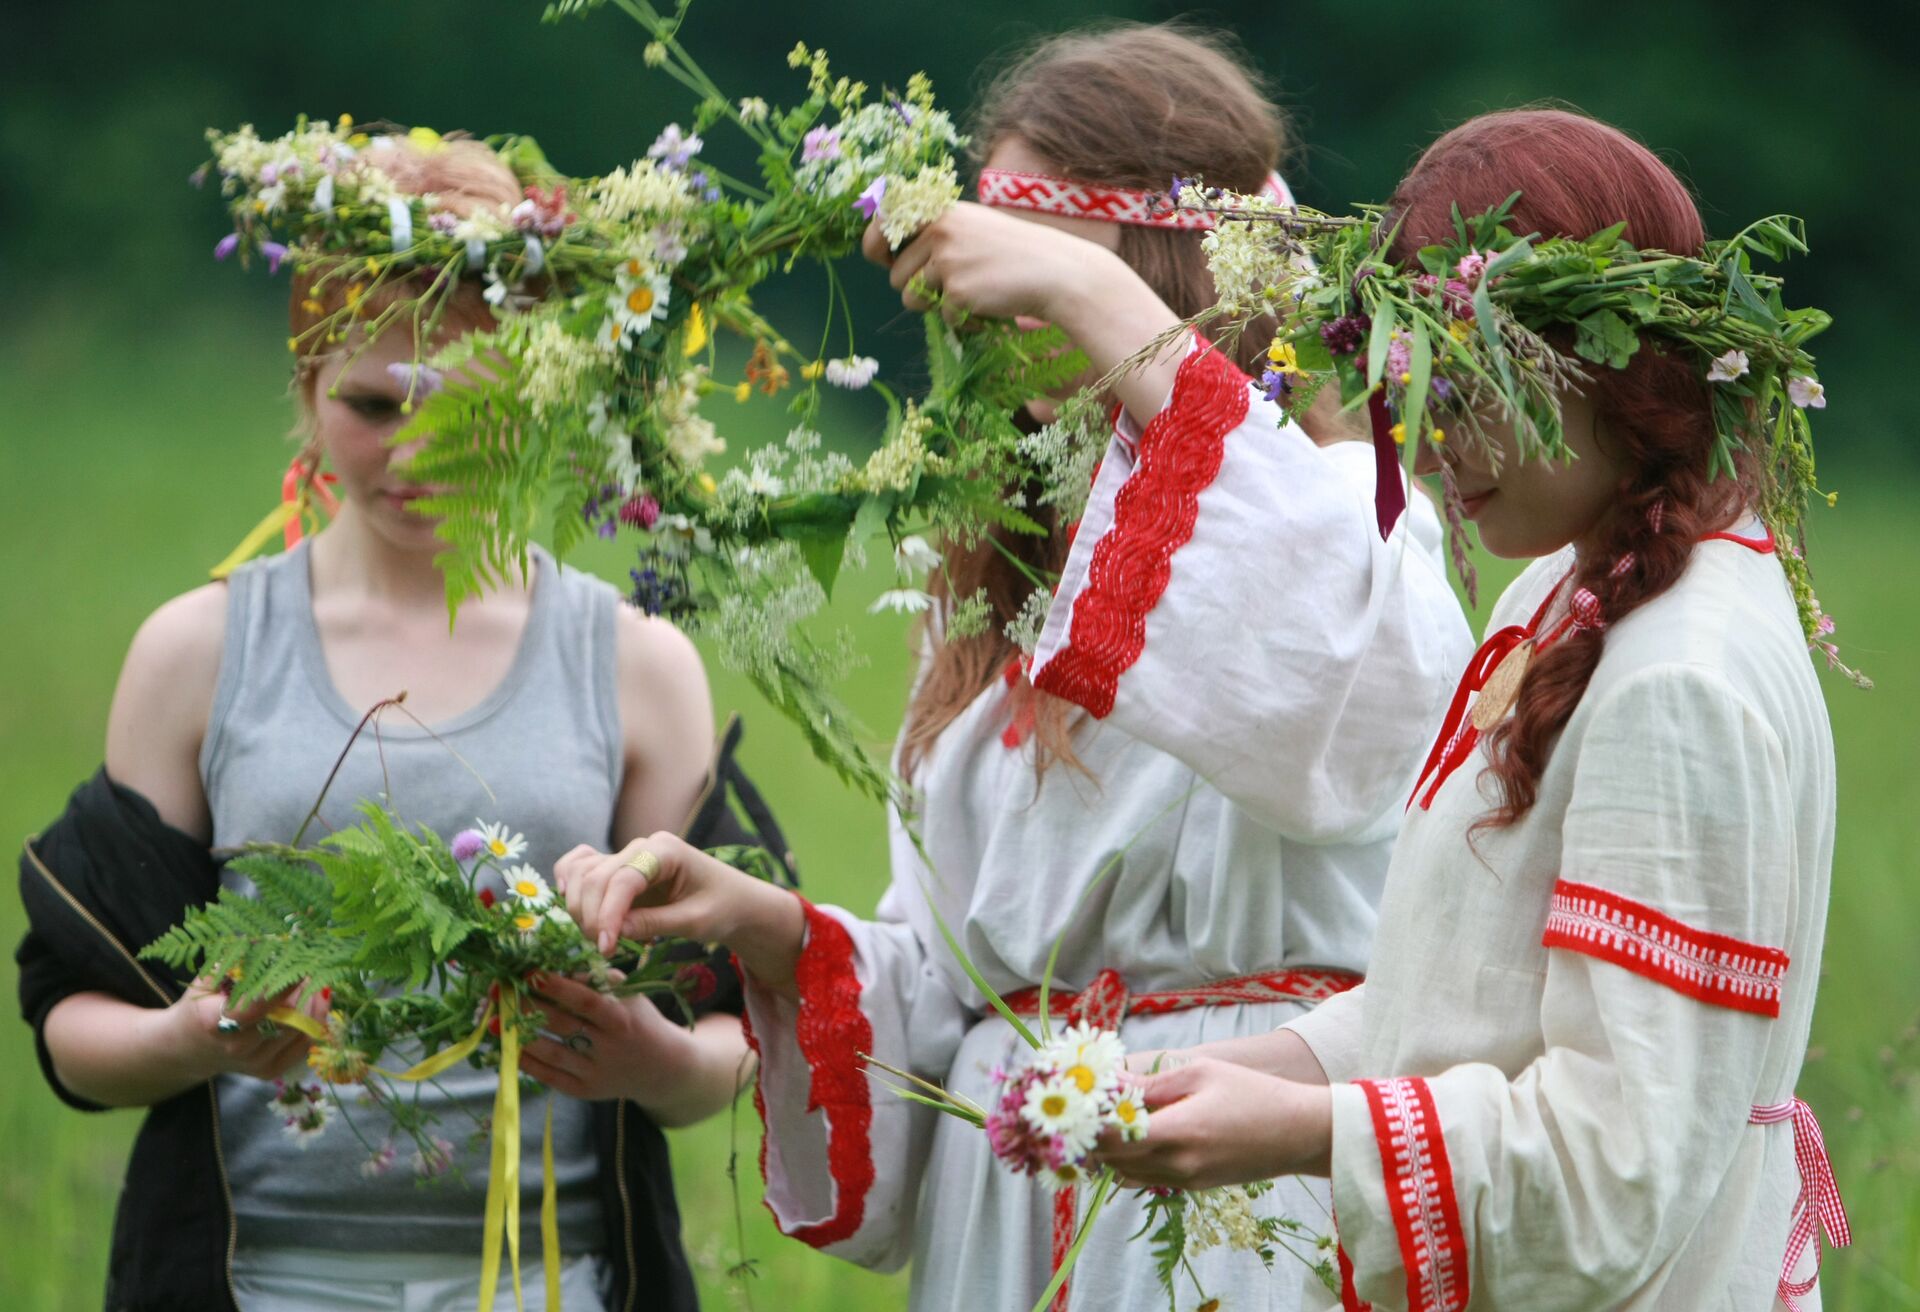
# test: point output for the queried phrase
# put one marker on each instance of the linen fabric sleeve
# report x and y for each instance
(1228, 600)
(1332, 1032)
(1576, 1180)
(843, 1157)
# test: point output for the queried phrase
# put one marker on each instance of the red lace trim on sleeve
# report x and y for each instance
(831, 1032)
(1715, 968)
(1419, 1180)
(1153, 517)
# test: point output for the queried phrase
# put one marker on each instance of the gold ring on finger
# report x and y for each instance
(646, 863)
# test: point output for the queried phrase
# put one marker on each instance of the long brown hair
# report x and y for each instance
(1129, 106)
(1576, 176)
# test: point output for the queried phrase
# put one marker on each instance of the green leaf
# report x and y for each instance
(1605, 338)
(1378, 340)
(823, 556)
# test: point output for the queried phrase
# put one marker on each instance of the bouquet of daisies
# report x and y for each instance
(416, 951)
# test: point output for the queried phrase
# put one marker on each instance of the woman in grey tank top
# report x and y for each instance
(590, 724)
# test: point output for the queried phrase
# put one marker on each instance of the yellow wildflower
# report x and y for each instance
(812, 371)
(741, 391)
(697, 334)
(707, 484)
(1459, 331)
(1399, 432)
(424, 140)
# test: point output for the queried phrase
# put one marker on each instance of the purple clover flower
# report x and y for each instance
(822, 143)
(640, 511)
(466, 845)
(1344, 335)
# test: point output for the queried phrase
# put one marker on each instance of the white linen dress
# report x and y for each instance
(1544, 1091)
(1265, 672)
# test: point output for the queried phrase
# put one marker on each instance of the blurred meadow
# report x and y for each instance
(142, 408)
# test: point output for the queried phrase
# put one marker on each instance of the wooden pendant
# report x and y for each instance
(1502, 688)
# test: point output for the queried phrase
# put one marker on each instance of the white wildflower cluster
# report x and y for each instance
(1225, 1217)
(808, 470)
(1023, 630)
(644, 189)
(754, 634)
(894, 466)
(690, 437)
(1062, 455)
(970, 617)
(1048, 1111)
(1246, 260)
(558, 366)
(910, 204)
(871, 142)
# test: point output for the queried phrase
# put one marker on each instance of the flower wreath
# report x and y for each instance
(1458, 332)
(579, 409)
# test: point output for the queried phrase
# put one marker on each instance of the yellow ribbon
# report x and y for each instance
(502, 1215)
(275, 522)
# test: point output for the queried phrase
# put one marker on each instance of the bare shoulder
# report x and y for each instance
(666, 724)
(657, 663)
(162, 701)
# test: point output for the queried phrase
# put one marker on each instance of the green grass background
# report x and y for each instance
(127, 472)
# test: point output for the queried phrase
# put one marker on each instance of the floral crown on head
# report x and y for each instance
(1429, 345)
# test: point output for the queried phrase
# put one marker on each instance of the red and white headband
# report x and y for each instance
(1044, 193)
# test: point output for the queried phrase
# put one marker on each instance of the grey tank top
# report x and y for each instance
(547, 742)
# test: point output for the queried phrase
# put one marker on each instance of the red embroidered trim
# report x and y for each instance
(832, 1031)
(1107, 1001)
(1727, 972)
(1048, 193)
(1419, 1181)
(1153, 517)
(1349, 1297)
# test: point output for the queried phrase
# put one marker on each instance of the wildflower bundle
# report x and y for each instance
(423, 946)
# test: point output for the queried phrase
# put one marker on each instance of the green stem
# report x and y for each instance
(1103, 1190)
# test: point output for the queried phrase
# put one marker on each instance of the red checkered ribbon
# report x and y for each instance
(1044, 193)
(1108, 1001)
(1818, 1207)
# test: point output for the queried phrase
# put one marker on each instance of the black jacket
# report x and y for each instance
(109, 876)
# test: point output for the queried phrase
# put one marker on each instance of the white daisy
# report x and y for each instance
(904, 601)
(639, 300)
(528, 888)
(499, 843)
(1091, 1058)
(1058, 1107)
(915, 555)
(528, 923)
(1129, 1115)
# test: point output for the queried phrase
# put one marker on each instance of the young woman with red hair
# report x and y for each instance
(1568, 1079)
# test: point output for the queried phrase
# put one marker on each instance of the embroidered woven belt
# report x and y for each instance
(1818, 1206)
(1108, 1001)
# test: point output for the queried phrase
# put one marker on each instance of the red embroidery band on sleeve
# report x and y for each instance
(1153, 517)
(1419, 1181)
(831, 1032)
(1727, 972)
